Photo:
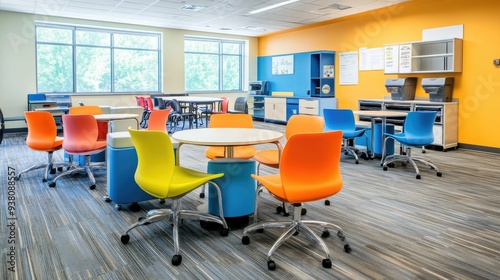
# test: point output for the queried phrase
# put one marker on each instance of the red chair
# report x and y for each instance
(81, 138)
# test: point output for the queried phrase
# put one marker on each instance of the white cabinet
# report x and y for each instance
(275, 109)
(440, 56)
(315, 106)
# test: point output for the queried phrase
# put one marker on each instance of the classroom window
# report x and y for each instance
(84, 59)
(213, 64)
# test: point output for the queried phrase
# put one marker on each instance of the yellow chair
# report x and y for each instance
(42, 136)
(305, 175)
(231, 121)
(158, 176)
(271, 157)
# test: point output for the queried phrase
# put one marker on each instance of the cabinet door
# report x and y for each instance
(275, 109)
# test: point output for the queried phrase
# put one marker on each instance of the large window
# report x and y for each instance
(213, 64)
(82, 59)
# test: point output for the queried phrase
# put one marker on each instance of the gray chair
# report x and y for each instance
(240, 106)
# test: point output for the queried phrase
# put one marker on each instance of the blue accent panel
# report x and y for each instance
(238, 188)
(389, 128)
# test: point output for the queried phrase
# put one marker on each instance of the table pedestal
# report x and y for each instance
(238, 189)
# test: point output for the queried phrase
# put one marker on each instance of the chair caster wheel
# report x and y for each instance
(287, 214)
(44, 180)
(340, 235)
(17, 178)
(303, 211)
(52, 171)
(347, 248)
(279, 209)
(162, 201)
(384, 168)
(134, 207)
(357, 161)
(118, 207)
(325, 234)
(52, 185)
(60, 169)
(107, 199)
(224, 232)
(92, 187)
(439, 174)
(327, 202)
(125, 238)
(202, 195)
(327, 263)
(271, 265)
(418, 176)
(296, 233)
(176, 260)
(245, 240)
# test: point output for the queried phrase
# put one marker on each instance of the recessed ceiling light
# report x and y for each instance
(340, 6)
(194, 8)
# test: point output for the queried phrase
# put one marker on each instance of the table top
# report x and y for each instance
(227, 136)
(193, 99)
(110, 117)
(380, 113)
(53, 109)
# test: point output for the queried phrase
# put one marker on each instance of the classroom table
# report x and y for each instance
(115, 117)
(194, 101)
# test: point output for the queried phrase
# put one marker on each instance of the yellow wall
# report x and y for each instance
(477, 88)
(18, 68)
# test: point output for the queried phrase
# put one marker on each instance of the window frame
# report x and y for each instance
(221, 55)
(111, 47)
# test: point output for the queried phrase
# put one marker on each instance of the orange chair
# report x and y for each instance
(42, 137)
(158, 120)
(81, 138)
(305, 175)
(91, 110)
(271, 157)
(227, 121)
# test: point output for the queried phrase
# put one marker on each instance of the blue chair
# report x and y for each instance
(343, 119)
(417, 133)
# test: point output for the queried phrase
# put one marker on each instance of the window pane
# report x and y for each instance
(93, 38)
(201, 46)
(54, 68)
(231, 72)
(93, 69)
(54, 35)
(136, 70)
(231, 48)
(201, 72)
(135, 41)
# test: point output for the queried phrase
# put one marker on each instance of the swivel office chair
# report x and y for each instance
(158, 176)
(240, 106)
(417, 132)
(158, 119)
(207, 111)
(343, 119)
(305, 175)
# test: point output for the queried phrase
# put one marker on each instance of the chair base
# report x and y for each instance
(353, 151)
(173, 216)
(407, 158)
(88, 168)
(50, 167)
(294, 227)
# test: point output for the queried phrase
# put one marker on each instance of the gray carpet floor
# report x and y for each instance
(397, 226)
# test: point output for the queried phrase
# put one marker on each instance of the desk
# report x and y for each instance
(115, 117)
(382, 115)
(194, 101)
(56, 111)
(239, 202)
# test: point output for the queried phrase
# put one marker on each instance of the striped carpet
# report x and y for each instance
(398, 227)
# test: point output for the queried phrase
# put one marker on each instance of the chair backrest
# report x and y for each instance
(149, 103)
(158, 120)
(224, 106)
(85, 110)
(161, 103)
(42, 130)
(310, 166)
(418, 127)
(141, 102)
(176, 106)
(80, 133)
(339, 119)
(231, 121)
(155, 161)
(241, 104)
(304, 124)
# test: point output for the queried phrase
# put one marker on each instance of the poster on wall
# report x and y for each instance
(348, 68)
(282, 65)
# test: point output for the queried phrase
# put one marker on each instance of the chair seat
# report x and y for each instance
(415, 141)
(42, 147)
(268, 158)
(242, 152)
(98, 147)
(353, 133)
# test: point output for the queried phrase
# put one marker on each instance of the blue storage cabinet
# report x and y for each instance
(377, 141)
(238, 188)
(292, 107)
